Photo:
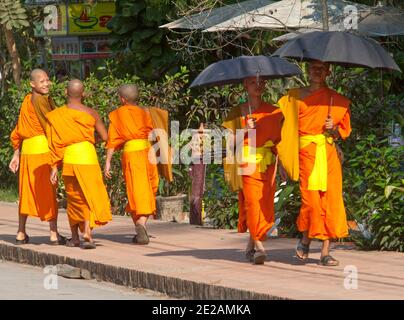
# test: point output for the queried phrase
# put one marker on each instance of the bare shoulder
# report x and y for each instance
(92, 112)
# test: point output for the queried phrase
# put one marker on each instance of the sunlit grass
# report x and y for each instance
(8, 194)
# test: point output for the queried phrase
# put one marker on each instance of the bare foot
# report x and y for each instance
(54, 236)
(20, 236)
(87, 237)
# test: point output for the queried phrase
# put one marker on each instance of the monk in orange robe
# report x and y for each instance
(71, 140)
(321, 115)
(32, 157)
(129, 129)
(257, 166)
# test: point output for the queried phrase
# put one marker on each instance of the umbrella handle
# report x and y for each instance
(329, 107)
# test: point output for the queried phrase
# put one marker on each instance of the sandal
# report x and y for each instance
(71, 244)
(60, 241)
(329, 261)
(141, 236)
(23, 241)
(259, 257)
(249, 255)
(302, 250)
(89, 245)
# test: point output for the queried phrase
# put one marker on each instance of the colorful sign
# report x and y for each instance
(75, 19)
(94, 48)
(90, 19)
(75, 48)
(66, 48)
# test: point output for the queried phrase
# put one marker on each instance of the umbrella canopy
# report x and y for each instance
(209, 18)
(289, 14)
(382, 22)
(337, 47)
(232, 71)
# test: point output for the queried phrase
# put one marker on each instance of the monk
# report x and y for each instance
(257, 184)
(71, 140)
(32, 157)
(129, 129)
(315, 116)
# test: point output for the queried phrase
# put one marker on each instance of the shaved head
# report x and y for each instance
(129, 92)
(75, 88)
(37, 73)
(40, 82)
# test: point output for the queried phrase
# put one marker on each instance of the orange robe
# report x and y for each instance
(322, 213)
(87, 197)
(256, 199)
(37, 194)
(132, 123)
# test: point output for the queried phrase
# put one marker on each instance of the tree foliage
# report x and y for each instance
(12, 14)
(140, 45)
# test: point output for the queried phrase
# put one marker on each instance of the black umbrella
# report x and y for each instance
(233, 71)
(340, 48)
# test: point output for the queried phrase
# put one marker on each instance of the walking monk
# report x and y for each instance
(257, 183)
(130, 126)
(32, 157)
(314, 117)
(71, 140)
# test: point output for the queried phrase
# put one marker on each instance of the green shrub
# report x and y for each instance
(10, 106)
(287, 207)
(221, 204)
(371, 167)
(181, 182)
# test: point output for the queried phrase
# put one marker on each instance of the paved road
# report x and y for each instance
(19, 281)
(203, 263)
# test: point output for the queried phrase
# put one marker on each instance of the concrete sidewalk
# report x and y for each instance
(201, 263)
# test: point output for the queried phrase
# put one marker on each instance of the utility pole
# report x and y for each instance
(325, 15)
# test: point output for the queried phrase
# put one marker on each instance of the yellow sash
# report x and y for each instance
(136, 145)
(35, 145)
(288, 147)
(81, 153)
(231, 163)
(318, 177)
(262, 156)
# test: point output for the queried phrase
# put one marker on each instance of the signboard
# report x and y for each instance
(90, 19)
(94, 48)
(75, 19)
(75, 48)
(66, 48)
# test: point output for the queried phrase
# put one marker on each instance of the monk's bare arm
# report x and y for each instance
(100, 127)
(107, 169)
(15, 161)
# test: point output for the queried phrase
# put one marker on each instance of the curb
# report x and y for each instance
(173, 287)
